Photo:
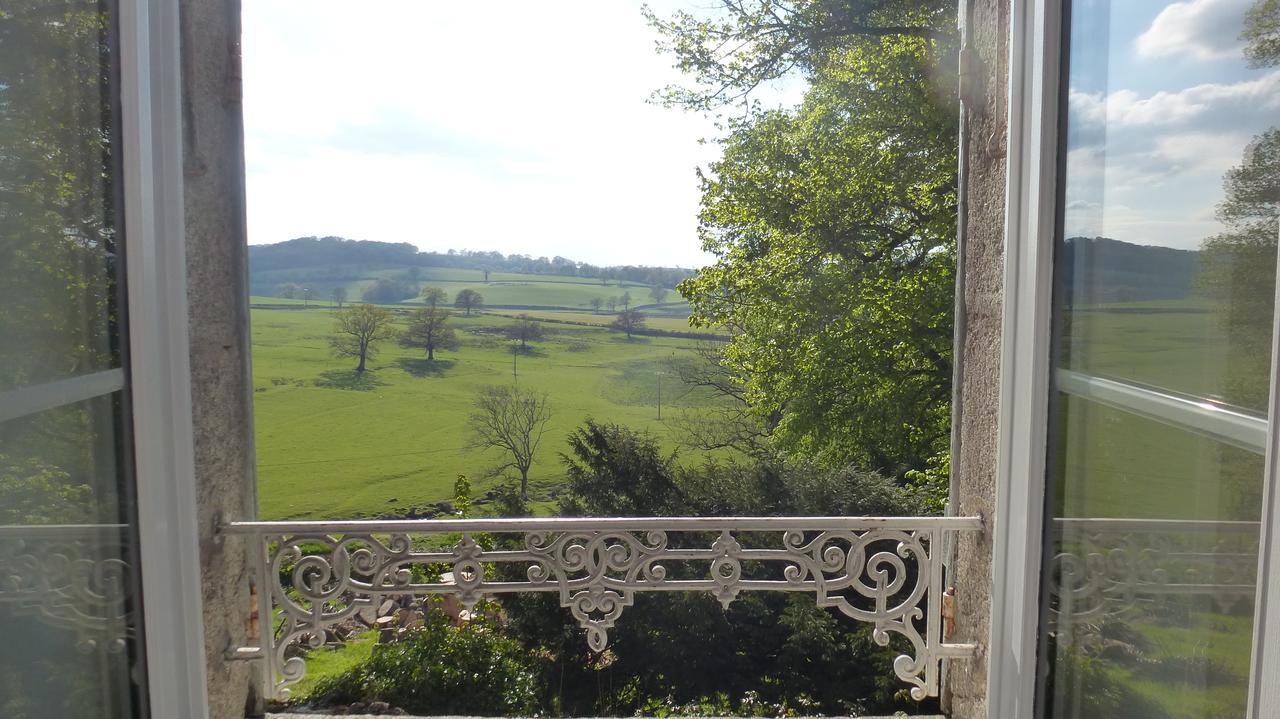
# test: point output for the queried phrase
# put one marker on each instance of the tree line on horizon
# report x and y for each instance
(318, 253)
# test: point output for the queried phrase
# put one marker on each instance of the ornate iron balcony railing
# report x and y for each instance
(886, 571)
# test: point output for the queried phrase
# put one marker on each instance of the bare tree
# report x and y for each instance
(612, 304)
(658, 293)
(726, 422)
(290, 290)
(625, 301)
(629, 321)
(428, 329)
(596, 303)
(434, 296)
(358, 330)
(339, 296)
(513, 421)
(468, 300)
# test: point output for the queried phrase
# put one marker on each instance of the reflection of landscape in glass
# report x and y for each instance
(1166, 283)
(67, 594)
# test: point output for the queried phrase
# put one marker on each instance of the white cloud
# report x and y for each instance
(1218, 104)
(1201, 29)
(1148, 168)
(506, 125)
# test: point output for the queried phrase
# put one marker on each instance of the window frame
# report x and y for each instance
(1266, 617)
(1035, 35)
(1036, 54)
(155, 265)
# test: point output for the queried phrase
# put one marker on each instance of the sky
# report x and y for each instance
(525, 127)
(515, 126)
(1161, 104)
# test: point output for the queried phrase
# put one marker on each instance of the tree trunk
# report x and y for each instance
(524, 484)
(364, 352)
(431, 353)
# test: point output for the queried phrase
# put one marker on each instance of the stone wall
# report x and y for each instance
(985, 89)
(221, 383)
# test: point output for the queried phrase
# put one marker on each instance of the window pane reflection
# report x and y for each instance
(1163, 313)
(57, 177)
(70, 643)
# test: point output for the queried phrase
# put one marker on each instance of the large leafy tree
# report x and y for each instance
(429, 329)
(358, 330)
(1239, 263)
(833, 223)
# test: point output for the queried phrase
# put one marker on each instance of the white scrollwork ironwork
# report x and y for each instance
(1113, 568)
(72, 577)
(884, 571)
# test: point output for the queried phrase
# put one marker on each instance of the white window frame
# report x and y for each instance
(1266, 618)
(1030, 210)
(155, 261)
(1035, 75)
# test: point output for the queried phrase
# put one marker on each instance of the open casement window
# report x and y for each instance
(99, 600)
(1137, 489)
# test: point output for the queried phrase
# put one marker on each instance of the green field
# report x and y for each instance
(333, 445)
(1121, 465)
(1116, 464)
(503, 288)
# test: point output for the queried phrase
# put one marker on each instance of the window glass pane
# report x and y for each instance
(69, 601)
(1163, 312)
(57, 174)
(70, 643)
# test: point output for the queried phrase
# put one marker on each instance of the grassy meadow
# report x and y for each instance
(333, 444)
(503, 288)
(1120, 465)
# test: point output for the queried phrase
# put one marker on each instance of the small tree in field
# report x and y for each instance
(339, 296)
(658, 293)
(434, 296)
(358, 330)
(468, 300)
(513, 421)
(628, 321)
(625, 301)
(290, 290)
(428, 329)
(612, 304)
(596, 304)
(526, 330)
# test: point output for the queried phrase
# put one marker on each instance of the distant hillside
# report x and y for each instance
(331, 261)
(1115, 271)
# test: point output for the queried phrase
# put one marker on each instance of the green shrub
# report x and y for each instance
(441, 669)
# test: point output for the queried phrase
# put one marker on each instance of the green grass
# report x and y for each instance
(1115, 464)
(503, 288)
(332, 445)
(1121, 465)
(327, 662)
(544, 293)
(664, 322)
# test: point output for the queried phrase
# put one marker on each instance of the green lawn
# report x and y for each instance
(503, 288)
(333, 445)
(1119, 465)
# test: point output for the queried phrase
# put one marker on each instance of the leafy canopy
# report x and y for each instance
(833, 228)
